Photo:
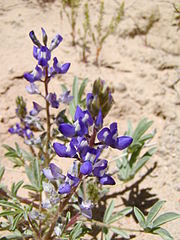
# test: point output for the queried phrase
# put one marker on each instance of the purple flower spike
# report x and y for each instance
(36, 109)
(64, 151)
(64, 188)
(86, 168)
(106, 180)
(32, 89)
(34, 75)
(52, 99)
(55, 42)
(67, 129)
(99, 120)
(62, 69)
(86, 208)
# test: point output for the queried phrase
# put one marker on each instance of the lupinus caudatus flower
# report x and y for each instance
(43, 69)
(88, 154)
(43, 55)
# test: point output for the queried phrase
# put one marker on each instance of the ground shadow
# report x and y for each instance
(141, 198)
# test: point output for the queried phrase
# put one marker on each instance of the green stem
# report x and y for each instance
(47, 118)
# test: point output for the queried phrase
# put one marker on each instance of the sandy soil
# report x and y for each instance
(144, 64)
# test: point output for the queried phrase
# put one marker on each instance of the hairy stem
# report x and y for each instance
(47, 118)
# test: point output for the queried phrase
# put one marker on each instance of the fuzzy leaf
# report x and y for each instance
(4, 203)
(81, 89)
(120, 232)
(154, 211)
(16, 220)
(75, 91)
(163, 233)
(119, 215)
(76, 232)
(140, 217)
(142, 127)
(164, 218)
(108, 212)
(15, 188)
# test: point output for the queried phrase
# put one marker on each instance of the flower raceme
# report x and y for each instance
(88, 154)
(43, 55)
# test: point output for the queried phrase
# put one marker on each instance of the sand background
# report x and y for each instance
(140, 62)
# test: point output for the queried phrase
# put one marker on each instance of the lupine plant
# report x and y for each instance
(60, 205)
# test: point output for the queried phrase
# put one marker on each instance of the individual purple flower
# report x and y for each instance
(86, 168)
(42, 54)
(100, 167)
(52, 99)
(36, 109)
(86, 208)
(64, 151)
(35, 75)
(62, 69)
(53, 172)
(32, 89)
(16, 130)
(65, 97)
(73, 180)
(85, 116)
(109, 136)
(82, 119)
(64, 188)
(28, 133)
(107, 180)
(55, 42)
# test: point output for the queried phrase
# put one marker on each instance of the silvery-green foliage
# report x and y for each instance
(136, 155)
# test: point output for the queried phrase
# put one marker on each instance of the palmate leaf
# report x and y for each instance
(120, 232)
(154, 210)
(140, 217)
(163, 233)
(78, 231)
(15, 187)
(81, 89)
(33, 173)
(142, 127)
(11, 205)
(164, 218)
(7, 213)
(119, 215)
(108, 212)
(143, 160)
(15, 221)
